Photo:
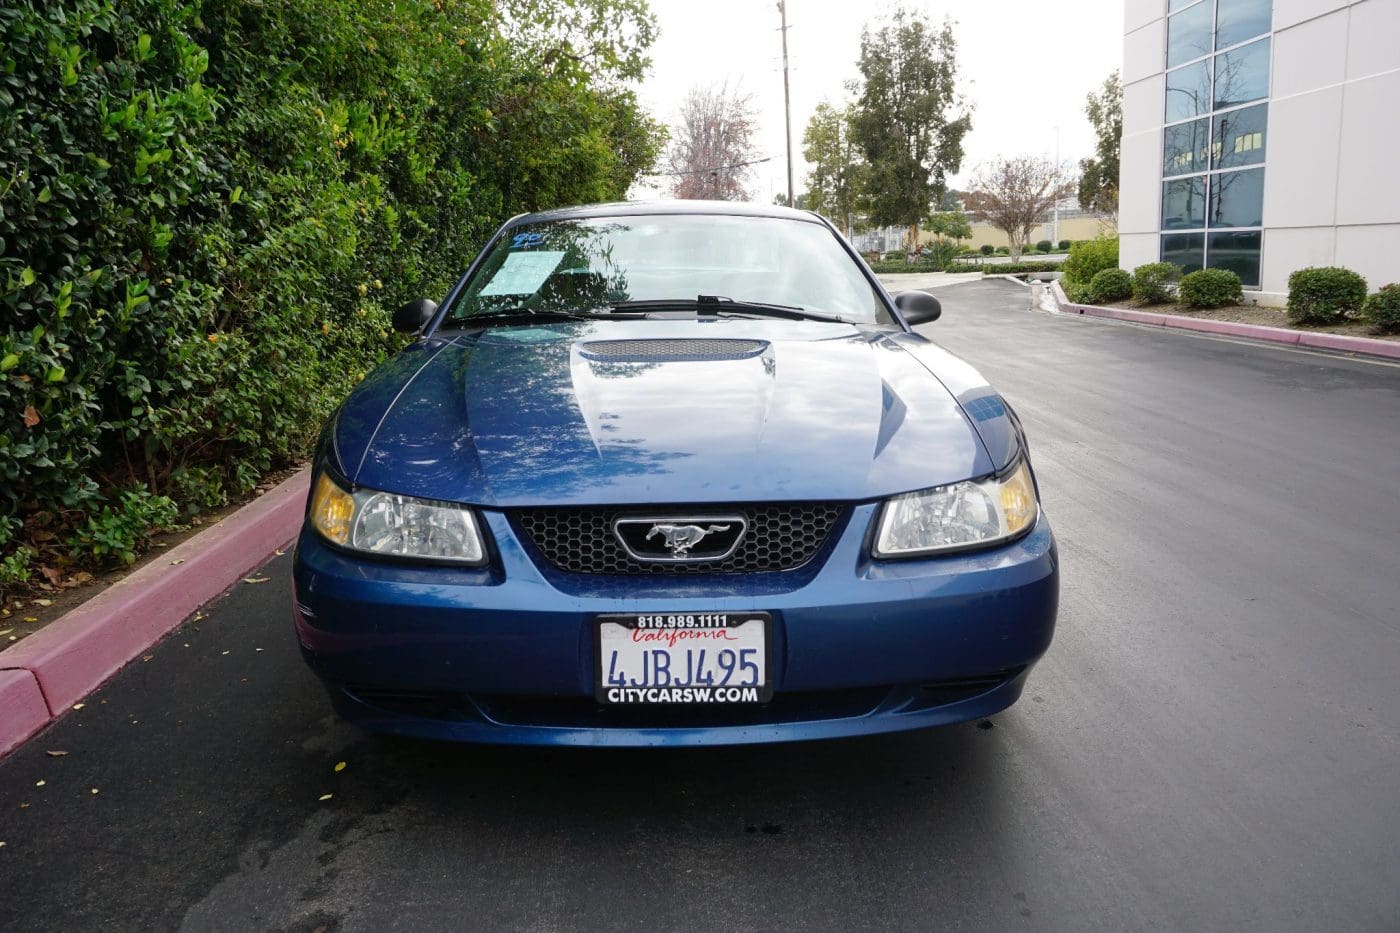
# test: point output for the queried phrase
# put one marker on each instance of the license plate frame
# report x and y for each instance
(735, 693)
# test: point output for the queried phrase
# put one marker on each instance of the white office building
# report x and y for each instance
(1262, 136)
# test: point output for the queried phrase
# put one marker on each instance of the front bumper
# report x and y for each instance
(505, 653)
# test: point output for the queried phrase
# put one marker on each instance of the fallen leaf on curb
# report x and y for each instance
(40, 783)
(79, 705)
(147, 657)
(225, 652)
(256, 579)
(257, 649)
(7, 631)
(43, 602)
(175, 563)
(55, 754)
(325, 797)
(279, 553)
(31, 618)
(199, 617)
(339, 766)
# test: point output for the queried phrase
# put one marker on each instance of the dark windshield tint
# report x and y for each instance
(582, 264)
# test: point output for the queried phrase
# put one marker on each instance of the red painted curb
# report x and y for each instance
(1386, 348)
(23, 706)
(1280, 335)
(76, 653)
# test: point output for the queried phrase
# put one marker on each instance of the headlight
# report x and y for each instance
(395, 526)
(962, 515)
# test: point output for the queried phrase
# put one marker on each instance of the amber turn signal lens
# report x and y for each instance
(331, 510)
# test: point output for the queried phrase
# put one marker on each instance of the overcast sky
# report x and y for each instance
(1025, 65)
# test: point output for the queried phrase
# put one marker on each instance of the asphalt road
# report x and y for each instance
(1210, 744)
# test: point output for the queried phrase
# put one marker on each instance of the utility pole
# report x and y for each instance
(1055, 230)
(787, 100)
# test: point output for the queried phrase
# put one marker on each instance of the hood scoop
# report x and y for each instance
(684, 350)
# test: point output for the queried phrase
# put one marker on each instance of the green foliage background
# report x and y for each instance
(208, 207)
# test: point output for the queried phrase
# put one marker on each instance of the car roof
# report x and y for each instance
(674, 206)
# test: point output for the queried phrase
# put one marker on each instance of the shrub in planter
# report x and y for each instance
(1003, 251)
(1110, 285)
(1155, 282)
(987, 249)
(1324, 295)
(1076, 293)
(1382, 309)
(1043, 246)
(1063, 246)
(1089, 257)
(1210, 288)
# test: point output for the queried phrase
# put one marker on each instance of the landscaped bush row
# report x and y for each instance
(1316, 296)
(1110, 285)
(207, 208)
(1005, 268)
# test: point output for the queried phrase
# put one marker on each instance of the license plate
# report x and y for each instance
(690, 657)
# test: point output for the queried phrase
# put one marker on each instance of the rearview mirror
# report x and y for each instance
(918, 307)
(411, 318)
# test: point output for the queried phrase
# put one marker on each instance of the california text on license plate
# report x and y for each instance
(688, 657)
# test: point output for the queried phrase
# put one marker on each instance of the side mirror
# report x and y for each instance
(918, 307)
(410, 318)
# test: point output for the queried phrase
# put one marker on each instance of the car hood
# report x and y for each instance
(599, 413)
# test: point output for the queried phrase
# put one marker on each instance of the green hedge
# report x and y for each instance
(207, 210)
(1110, 285)
(1382, 309)
(1089, 257)
(1324, 295)
(1005, 268)
(1209, 288)
(1155, 282)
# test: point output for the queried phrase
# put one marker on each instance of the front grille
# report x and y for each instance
(581, 540)
(670, 350)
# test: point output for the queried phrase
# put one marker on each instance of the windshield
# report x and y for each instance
(595, 263)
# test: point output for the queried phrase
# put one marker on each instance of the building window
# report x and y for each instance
(1239, 20)
(1239, 137)
(1238, 251)
(1242, 75)
(1188, 91)
(1185, 147)
(1214, 142)
(1237, 199)
(1189, 33)
(1184, 203)
(1187, 250)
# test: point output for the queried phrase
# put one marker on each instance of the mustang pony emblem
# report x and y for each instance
(681, 538)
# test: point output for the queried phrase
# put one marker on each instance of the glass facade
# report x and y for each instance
(1214, 142)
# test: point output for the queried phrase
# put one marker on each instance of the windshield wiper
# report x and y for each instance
(533, 316)
(722, 306)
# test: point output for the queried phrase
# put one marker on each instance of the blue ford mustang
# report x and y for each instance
(672, 474)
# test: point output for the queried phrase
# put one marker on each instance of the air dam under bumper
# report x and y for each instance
(505, 654)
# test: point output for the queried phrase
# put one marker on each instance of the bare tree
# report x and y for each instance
(1015, 195)
(712, 148)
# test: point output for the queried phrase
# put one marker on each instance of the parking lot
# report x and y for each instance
(1210, 743)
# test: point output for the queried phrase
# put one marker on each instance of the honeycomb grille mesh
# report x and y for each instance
(581, 540)
(670, 350)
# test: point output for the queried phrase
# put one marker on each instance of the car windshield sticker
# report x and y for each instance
(522, 273)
